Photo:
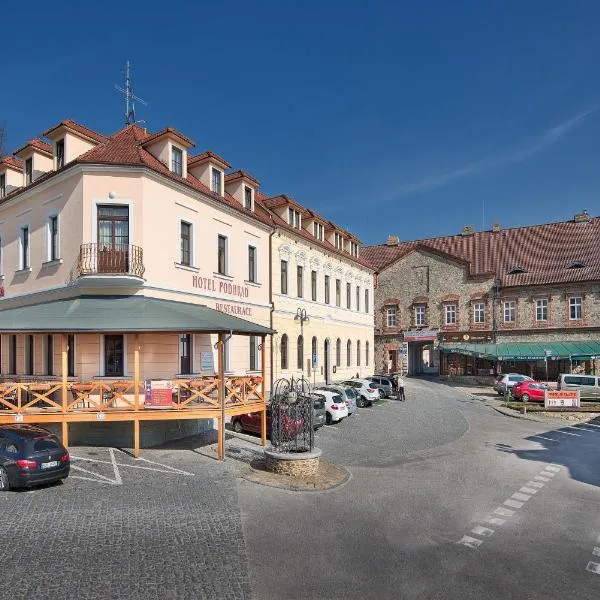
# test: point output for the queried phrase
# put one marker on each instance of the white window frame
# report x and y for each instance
(1, 257)
(420, 315)
(175, 148)
(3, 187)
(576, 302)
(541, 306)
(192, 243)
(103, 366)
(509, 309)
(246, 188)
(479, 313)
(450, 311)
(257, 353)
(221, 176)
(391, 316)
(22, 266)
(227, 273)
(114, 202)
(49, 258)
(256, 273)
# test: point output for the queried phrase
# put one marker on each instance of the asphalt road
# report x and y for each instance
(448, 499)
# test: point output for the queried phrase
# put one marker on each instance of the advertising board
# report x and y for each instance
(560, 398)
(158, 394)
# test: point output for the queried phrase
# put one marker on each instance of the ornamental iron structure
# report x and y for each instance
(292, 420)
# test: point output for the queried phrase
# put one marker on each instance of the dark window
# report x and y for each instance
(222, 255)
(367, 354)
(29, 355)
(45, 445)
(348, 353)
(300, 281)
(338, 292)
(366, 301)
(185, 353)
(248, 197)
(313, 285)
(284, 352)
(2, 185)
(253, 353)
(71, 355)
(186, 245)
(284, 277)
(177, 161)
(348, 295)
(60, 154)
(357, 298)
(338, 352)
(28, 171)
(114, 356)
(314, 358)
(50, 354)
(251, 263)
(300, 358)
(25, 248)
(358, 353)
(216, 181)
(53, 231)
(574, 380)
(12, 355)
(113, 239)
(326, 289)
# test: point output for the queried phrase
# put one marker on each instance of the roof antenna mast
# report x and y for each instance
(130, 97)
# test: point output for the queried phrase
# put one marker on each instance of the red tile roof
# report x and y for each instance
(208, 155)
(168, 130)
(11, 161)
(38, 145)
(77, 128)
(543, 251)
(240, 173)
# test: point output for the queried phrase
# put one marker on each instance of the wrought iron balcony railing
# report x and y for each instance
(101, 259)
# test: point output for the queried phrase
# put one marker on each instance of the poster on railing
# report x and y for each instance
(158, 394)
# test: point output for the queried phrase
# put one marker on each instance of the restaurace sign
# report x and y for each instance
(210, 284)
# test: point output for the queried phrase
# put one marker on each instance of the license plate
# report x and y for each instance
(49, 465)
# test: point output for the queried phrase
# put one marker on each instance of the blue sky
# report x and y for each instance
(412, 118)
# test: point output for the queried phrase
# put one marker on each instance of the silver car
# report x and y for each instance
(347, 393)
(366, 392)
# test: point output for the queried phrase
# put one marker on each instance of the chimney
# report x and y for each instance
(582, 217)
(468, 230)
(496, 227)
(393, 240)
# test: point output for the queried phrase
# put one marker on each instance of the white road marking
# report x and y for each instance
(548, 474)
(593, 568)
(591, 425)
(596, 551)
(528, 490)
(537, 484)
(505, 512)
(470, 542)
(96, 476)
(165, 469)
(582, 428)
(522, 497)
(483, 531)
(553, 468)
(567, 432)
(494, 520)
(540, 478)
(115, 467)
(513, 503)
(152, 462)
(545, 438)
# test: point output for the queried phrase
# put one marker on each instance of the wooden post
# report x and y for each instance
(65, 434)
(136, 437)
(263, 413)
(136, 373)
(65, 371)
(221, 397)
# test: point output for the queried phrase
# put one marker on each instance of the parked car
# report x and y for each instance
(366, 391)
(250, 422)
(529, 390)
(386, 385)
(507, 380)
(335, 407)
(347, 393)
(588, 385)
(29, 456)
(318, 412)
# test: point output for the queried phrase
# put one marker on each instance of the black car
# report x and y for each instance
(30, 455)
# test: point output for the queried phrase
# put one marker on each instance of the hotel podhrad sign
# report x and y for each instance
(210, 284)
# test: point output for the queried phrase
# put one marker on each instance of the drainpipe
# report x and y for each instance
(495, 293)
(271, 303)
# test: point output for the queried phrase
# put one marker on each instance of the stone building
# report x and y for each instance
(524, 299)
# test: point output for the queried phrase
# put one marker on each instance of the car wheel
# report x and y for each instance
(361, 402)
(500, 393)
(525, 397)
(237, 426)
(328, 419)
(4, 482)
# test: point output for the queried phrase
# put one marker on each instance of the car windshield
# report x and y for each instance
(350, 392)
(45, 444)
(336, 398)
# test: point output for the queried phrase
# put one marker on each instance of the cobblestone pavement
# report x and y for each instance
(137, 530)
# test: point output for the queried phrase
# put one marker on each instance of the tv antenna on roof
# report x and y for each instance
(130, 98)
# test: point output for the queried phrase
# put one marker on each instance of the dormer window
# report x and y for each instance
(60, 154)
(516, 270)
(318, 230)
(2, 185)
(576, 264)
(215, 181)
(294, 218)
(338, 241)
(177, 161)
(354, 249)
(247, 197)
(28, 171)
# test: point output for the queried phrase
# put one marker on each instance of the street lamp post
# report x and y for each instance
(302, 316)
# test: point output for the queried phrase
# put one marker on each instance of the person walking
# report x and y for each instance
(400, 382)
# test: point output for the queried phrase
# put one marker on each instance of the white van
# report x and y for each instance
(588, 385)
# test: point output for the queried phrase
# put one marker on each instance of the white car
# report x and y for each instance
(335, 407)
(365, 389)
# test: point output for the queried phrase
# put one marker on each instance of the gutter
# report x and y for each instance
(272, 309)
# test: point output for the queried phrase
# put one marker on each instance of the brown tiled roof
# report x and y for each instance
(38, 145)
(239, 174)
(11, 161)
(206, 155)
(283, 200)
(543, 251)
(150, 138)
(78, 128)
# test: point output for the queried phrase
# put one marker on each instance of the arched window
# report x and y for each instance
(338, 352)
(284, 352)
(367, 354)
(348, 353)
(358, 353)
(314, 352)
(300, 352)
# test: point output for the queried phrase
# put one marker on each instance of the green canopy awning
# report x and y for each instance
(123, 314)
(577, 350)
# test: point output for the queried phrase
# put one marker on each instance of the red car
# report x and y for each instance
(251, 422)
(529, 390)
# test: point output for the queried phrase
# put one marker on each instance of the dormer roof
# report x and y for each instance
(37, 145)
(241, 174)
(76, 129)
(171, 133)
(283, 200)
(208, 156)
(11, 162)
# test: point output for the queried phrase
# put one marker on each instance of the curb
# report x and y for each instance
(508, 412)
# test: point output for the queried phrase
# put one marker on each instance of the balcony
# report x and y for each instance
(110, 265)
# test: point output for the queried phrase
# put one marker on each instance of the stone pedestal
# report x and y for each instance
(294, 464)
